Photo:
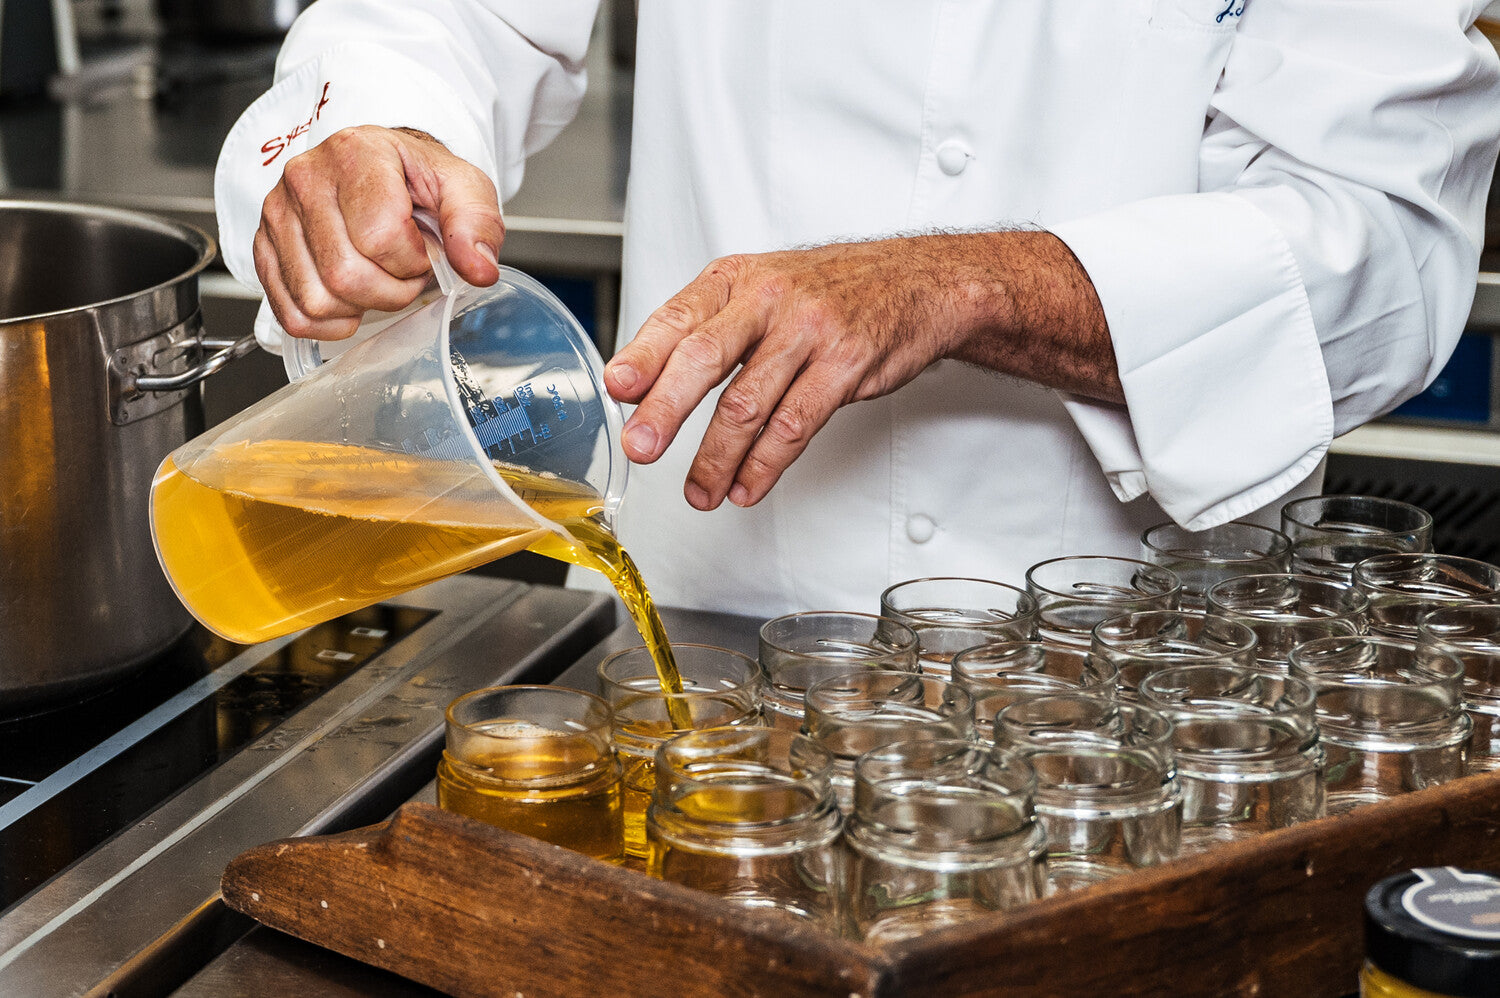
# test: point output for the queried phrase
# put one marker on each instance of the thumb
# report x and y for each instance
(472, 227)
(463, 198)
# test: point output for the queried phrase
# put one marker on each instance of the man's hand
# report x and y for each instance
(812, 330)
(336, 235)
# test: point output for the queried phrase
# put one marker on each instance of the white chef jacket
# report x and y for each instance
(1279, 202)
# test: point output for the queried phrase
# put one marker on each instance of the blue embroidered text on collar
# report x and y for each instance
(1234, 8)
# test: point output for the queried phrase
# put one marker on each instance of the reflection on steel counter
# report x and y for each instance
(118, 814)
(71, 778)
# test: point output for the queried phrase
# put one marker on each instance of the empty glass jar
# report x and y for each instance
(1107, 791)
(1246, 743)
(999, 674)
(1286, 610)
(1332, 534)
(799, 649)
(1075, 593)
(942, 832)
(951, 614)
(1202, 558)
(1471, 633)
(1138, 644)
(1404, 588)
(1390, 715)
(748, 814)
(851, 714)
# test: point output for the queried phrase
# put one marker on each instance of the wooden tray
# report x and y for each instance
(474, 910)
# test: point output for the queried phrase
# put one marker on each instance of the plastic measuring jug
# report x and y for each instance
(467, 428)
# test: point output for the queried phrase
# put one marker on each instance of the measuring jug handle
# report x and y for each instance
(432, 235)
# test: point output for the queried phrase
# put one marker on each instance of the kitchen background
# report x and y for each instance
(110, 876)
(132, 108)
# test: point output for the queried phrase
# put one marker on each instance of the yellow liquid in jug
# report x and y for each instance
(272, 536)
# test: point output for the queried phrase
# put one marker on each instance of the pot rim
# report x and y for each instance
(205, 244)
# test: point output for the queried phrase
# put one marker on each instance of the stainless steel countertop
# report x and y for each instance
(139, 914)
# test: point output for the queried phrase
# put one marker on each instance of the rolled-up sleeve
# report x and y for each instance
(494, 80)
(1323, 272)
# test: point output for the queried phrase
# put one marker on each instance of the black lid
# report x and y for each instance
(1437, 929)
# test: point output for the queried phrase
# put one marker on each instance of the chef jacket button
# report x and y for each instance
(920, 528)
(952, 157)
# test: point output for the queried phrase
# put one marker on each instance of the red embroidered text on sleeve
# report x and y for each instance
(275, 146)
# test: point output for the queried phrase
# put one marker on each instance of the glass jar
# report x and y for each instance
(1000, 673)
(1246, 743)
(1390, 716)
(1404, 588)
(1332, 534)
(1107, 791)
(1432, 933)
(1285, 610)
(942, 832)
(1202, 558)
(951, 614)
(535, 760)
(799, 649)
(851, 714)
(719, 687)
(1472, 634)
(1138, 644)
(1075, 593)
(748, 814)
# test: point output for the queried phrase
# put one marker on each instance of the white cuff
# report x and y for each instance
(268, 332)
(1227, 405)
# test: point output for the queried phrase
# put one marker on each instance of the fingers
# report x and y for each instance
(699, 361)
(743, 409)
(336, 236)
(466, 204)
(635, 369)
(289, 312)
(472, 232)
(757, 431)
(811, 330)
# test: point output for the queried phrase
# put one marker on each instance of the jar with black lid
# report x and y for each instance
(1433, 933)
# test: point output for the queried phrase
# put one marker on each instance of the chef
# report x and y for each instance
(921, 288)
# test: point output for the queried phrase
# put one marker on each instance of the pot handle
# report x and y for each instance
(225, 351)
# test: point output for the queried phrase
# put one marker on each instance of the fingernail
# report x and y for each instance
(739, 495)
(641, 438)
(697, 496)
(625, 376)
(488, 252)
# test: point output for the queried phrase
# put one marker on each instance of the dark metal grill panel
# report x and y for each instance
(1464, 500)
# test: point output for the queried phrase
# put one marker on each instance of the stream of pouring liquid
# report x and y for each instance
(595, 547)
(263, 538)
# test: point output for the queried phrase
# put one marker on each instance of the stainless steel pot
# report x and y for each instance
(101, 348)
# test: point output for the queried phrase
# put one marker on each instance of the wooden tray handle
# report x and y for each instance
(475, 910)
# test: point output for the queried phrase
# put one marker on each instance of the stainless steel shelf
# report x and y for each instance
(1485, 313)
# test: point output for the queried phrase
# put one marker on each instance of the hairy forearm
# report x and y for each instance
(1019, 302)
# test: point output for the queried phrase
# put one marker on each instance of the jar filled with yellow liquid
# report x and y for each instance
(718, 687)
(1433, 933)
(535, 760)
